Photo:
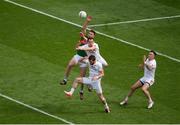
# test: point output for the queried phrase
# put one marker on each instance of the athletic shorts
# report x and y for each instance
(77, 58)
(95, 84)
(144, 80)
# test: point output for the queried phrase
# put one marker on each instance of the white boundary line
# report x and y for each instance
(132, 44)
(35, 109)
(135, 21)
(103, 34)
(43, 13)
(63, 20)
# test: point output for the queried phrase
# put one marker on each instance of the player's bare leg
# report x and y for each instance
(81, 93)
(147, 94)
(82, 74)
(74, 86)
(69, 67)
(132, 90)
(103, 100)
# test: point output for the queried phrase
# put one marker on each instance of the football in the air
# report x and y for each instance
(82, 14)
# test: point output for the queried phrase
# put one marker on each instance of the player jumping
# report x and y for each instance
(79, 55)
(96, 72)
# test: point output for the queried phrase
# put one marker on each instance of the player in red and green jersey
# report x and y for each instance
(79, 55)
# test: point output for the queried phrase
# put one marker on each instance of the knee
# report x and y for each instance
(78, 79)
(102, 98)
(133, 88)
(143, 89)
(70, 65)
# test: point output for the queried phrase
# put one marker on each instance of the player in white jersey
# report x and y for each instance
(79, 55)
(149, 66)
(92, 48)
(96, 72)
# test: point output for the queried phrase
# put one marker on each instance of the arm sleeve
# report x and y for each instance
(100, 66)
(84, 46)
(153, 65)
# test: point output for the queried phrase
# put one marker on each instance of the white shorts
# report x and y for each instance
(144, 80)
(83, 65)
(96, 84)
(77, 58)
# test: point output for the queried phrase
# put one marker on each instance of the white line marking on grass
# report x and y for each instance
(35, 109)
(135, 45)
(43, 13)
(103, 34)
(135, 21)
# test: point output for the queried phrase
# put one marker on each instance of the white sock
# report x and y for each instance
(106, 105)
(126, 99)
(150, 100)
(72, 90)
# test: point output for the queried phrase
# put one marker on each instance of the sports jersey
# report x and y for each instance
(96, 53)
(94, 69)
(93, 52)
(82, 53)
(150, 73)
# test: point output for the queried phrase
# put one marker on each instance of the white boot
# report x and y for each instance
(150, 104)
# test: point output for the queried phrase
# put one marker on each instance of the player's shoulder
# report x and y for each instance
(153, 61)
(85, 45)
(95, 44)
(98, 64)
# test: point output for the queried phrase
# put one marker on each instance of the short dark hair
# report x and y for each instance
(92, 57)
(93, 31)
(153, 52)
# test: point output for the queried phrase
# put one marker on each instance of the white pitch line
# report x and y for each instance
(103, 34)
(135, 21)
(135, 45)
(43, 13)
(35, 109)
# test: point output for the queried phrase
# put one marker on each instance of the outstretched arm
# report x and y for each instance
(86, 48)
(84, 27)
(78, 44)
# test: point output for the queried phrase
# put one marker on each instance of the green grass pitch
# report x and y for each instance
(35, 49)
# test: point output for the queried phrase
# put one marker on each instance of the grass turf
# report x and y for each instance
(34, 50)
